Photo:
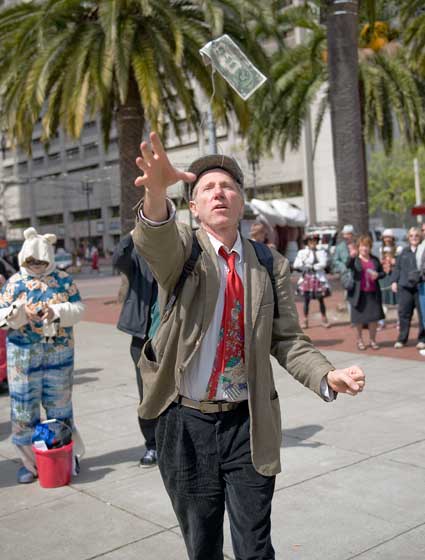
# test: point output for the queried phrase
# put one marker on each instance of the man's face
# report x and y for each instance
(217, 202)
(423, 231)
(348, 237)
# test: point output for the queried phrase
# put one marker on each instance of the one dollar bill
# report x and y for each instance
(231, 63)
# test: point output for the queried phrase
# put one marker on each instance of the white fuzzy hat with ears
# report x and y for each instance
(39, 247)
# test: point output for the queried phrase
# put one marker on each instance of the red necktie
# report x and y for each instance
(230, 349)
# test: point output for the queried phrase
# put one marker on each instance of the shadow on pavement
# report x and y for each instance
(5, 429)
(95, 468)
(295, 436)
(84, 371)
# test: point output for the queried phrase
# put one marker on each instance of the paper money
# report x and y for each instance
(232, 64)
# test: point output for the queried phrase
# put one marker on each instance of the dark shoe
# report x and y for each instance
(149, 459)
(25, 476)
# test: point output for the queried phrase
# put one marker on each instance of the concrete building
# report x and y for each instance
(72, 189)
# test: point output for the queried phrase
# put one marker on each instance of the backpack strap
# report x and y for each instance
(188, 267)
(265, 257)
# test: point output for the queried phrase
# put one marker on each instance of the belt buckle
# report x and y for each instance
(203, 405)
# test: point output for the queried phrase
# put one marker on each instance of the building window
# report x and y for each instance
(115, 211)
(91, 150)
(90, 126)
(50, 220)
(84, 168)
(8, 171)
(22, 167)
(21, 223)
(72, 153)
(92, 214)
(38, 162)
(281, 190)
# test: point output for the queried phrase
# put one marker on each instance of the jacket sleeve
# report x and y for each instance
(290, 346)
(71, 311)
(165, 248)
(395, 274)
(299, 261)
(14, 316)
(68, 313)
(121, 259)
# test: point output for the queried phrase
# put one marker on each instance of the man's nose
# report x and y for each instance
(218, 191)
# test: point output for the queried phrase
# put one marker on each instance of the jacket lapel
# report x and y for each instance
(255, 277)
(212, 276)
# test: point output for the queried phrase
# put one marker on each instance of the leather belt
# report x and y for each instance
(208, 407)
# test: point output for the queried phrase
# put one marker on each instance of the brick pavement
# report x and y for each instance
(341, 336)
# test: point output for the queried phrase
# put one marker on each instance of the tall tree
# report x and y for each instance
(134, 60)
(344, 97)
(390, 94)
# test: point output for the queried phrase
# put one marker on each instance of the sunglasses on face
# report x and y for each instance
(35, 262)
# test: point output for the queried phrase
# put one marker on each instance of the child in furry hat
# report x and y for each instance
(39, 305)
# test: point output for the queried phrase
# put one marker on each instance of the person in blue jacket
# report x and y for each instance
(138, 318)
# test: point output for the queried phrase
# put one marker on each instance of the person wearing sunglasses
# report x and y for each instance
(405, 280)
(39, 306)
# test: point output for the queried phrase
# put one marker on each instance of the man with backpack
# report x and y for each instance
(207, 370)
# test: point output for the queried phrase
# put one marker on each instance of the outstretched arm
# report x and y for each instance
(158, 175)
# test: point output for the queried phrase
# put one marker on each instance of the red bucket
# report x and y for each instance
(54, 466)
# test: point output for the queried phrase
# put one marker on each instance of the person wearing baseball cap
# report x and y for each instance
(207, 370)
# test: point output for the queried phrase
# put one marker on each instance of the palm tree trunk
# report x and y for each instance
(348, 147)
(130, 125)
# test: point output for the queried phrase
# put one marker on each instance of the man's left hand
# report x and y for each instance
(349, 380)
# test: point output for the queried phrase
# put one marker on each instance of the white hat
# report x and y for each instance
(388, 233)
(39, 247)
(348, 228)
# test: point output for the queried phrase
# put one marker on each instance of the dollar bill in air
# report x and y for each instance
(231, 63)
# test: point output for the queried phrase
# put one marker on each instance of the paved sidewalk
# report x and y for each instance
(353, 484)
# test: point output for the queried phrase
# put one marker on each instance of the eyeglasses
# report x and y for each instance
(35, 262)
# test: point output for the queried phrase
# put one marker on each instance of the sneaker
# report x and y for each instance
(422, 353)
(398, 344)
(420, 345)
(25, 476)
(149, 459)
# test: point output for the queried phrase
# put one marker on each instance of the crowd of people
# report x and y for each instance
(373, 284)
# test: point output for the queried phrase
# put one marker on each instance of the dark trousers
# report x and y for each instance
(307, 300)
(147, 427)
(408, 299)
(205, 463)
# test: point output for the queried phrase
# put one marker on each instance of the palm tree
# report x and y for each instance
(413, 20)
(364, 103)
(135, 61)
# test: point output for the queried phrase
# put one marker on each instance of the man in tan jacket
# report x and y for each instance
(207, 371)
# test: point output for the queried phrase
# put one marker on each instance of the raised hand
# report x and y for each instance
(158, 172)
(158, 175)
(350, 380)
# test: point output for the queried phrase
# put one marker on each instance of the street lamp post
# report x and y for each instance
(87, 188)
(253, 162)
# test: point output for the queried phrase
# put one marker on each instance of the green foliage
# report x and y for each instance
(391, 179)
(392, 92)
(66, 59)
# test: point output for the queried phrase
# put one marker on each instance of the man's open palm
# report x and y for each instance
(158, 172)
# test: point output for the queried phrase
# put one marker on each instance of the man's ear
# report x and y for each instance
(193, 208)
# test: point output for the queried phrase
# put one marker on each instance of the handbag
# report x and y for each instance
(347, 279)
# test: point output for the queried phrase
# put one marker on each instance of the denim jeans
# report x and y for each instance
(205, 462)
